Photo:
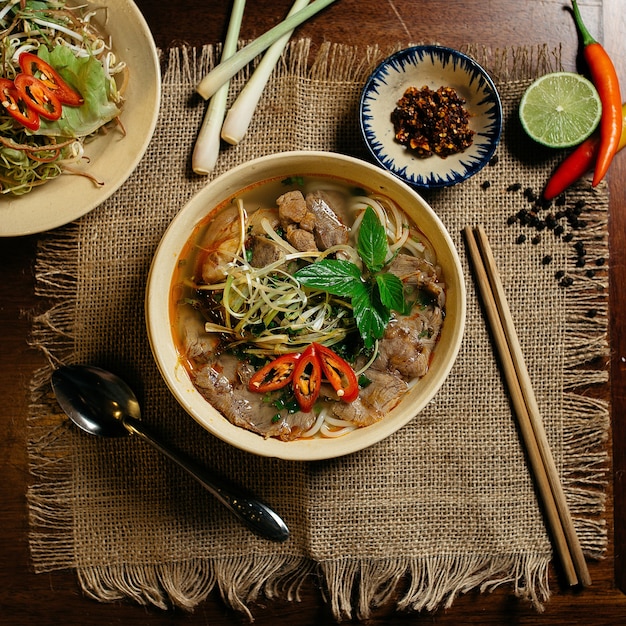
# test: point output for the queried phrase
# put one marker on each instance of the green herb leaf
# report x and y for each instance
(372, 243)
(340, 278)
(373, 296)
(391, 291)
(370, 314)
(86, 75)
(293, 180)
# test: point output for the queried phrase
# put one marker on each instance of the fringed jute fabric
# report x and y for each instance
(444, 506)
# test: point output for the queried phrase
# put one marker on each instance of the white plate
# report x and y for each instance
(112, 157)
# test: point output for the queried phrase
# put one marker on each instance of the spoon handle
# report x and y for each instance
(257, 515)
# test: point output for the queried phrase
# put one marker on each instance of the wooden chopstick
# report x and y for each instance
(541, 461)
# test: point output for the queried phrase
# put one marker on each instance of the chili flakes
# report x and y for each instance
(432, 122)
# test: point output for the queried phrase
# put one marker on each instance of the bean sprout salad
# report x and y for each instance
(47, 49)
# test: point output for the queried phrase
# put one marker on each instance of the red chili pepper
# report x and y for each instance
(579, 162)
(38, 97)
(274, 375)
(15, 105)
(605, 79)
(338, 373)
(307, 379)
(305, 372)
(32, 65)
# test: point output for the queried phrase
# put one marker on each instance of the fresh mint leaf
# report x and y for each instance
(391, 291)
(370, 314)
(373, 294)
(338, 277)
(372, 243)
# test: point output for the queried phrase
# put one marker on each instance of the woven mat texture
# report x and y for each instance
(443, 506)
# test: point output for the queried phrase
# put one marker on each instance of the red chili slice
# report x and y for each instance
(15, 105)
(38, 97)
(339, 373)
(274, 375)
(32, 65)
(307, 379)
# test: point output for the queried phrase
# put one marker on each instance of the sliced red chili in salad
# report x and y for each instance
(338, 373)
(274, 375)
(16, 106)
(38, 97)
(307, 378)
(32, 65)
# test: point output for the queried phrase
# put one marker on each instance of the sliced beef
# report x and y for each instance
(197, 343)
(300, 239)
(408, 342)
(412, 270)
(329, 229)
(291, 208)
(297, 221)
(374, 401)
(318, 214)
(223, 383)
(265, 251)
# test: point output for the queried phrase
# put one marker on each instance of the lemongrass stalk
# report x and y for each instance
(207, 146)
(226, 70)
(240, 114)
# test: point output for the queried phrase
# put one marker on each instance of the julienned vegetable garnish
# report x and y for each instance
(606, 81)
(54, 60)
(373, 296)
(579, 162)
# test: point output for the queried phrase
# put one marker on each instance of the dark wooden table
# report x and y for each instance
(47, 599)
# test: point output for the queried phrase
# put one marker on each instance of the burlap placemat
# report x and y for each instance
(442, 507)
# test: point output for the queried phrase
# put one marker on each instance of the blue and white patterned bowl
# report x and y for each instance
(432, 66)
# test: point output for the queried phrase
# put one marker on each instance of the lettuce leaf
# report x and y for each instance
(86, 75)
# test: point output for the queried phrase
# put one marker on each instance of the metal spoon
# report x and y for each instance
(102, 404)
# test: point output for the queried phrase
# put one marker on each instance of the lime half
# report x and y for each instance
(560, 110)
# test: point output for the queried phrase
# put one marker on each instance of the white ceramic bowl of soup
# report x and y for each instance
(162, 327)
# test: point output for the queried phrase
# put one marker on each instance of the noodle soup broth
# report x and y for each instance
(237, 304)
